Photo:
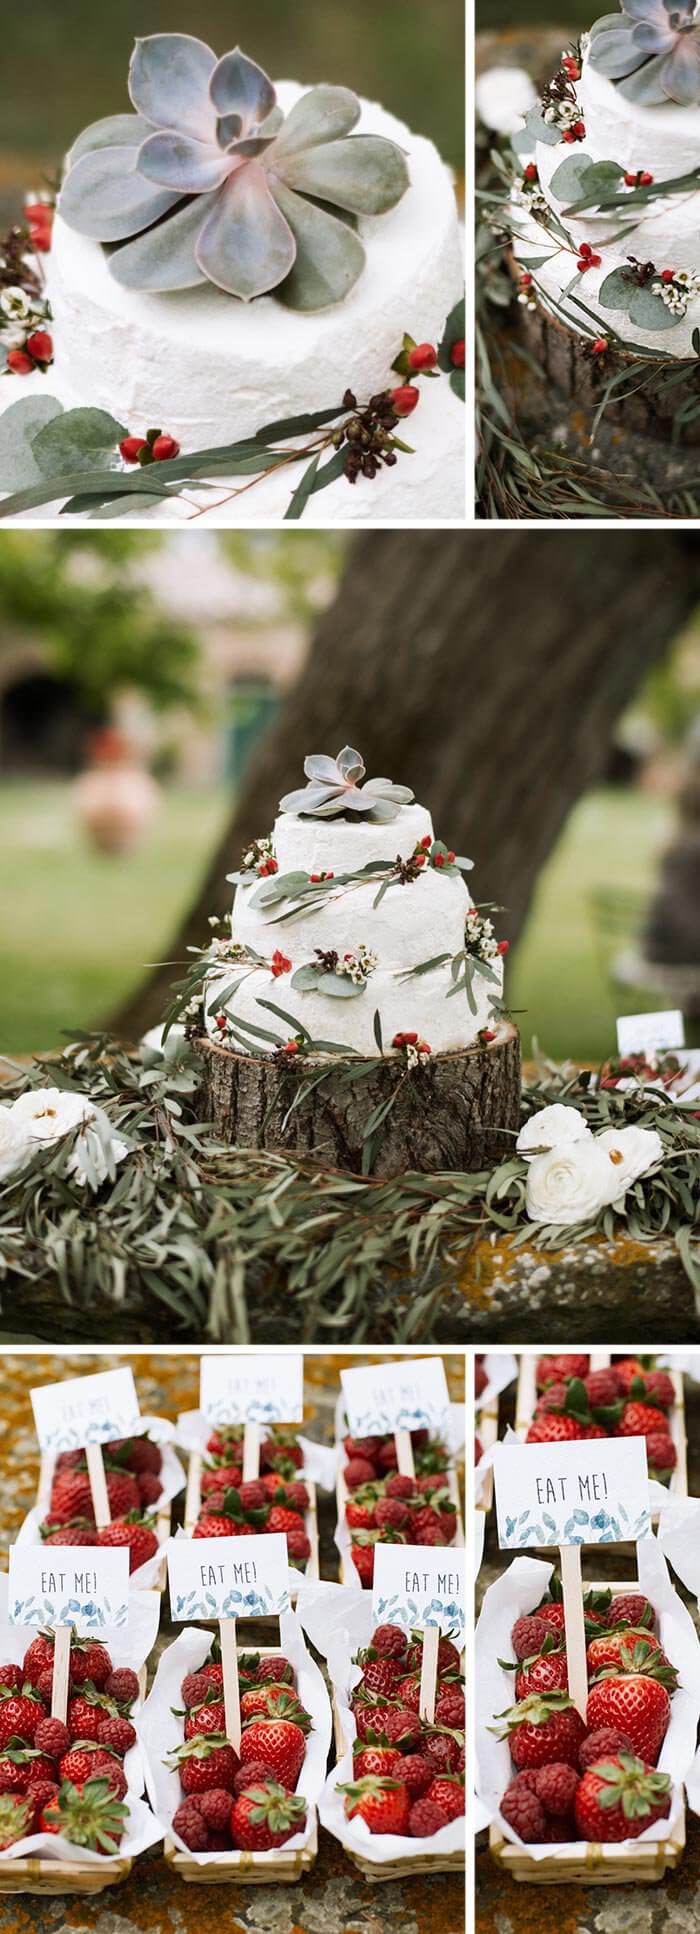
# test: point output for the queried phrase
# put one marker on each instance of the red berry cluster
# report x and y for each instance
(631, 1399)
(154, 447)
(591, 1779)
(587, 259)
(245, 1800)
(132, 1468)
(275, 1501)
(36, 353)
(408, 1772)
(65, 1778)
(642, 179)
(386, 1507)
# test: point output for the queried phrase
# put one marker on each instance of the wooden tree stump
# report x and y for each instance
(654, 409)
(458, 1111)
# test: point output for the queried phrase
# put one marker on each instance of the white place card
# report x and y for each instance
(250, 1389)
(86, 1410)
(639, 1033)
(420, 1585)
(228, 1577)
(391, 1396)
(572, 1494)
(86, 1586)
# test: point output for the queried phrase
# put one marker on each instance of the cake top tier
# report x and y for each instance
(207, 181)
(651, 50)
(341, 846)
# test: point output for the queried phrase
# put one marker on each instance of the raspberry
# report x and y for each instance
(556, 1788)
(215, 1808)
(425, 1818)
(117, 1733)
(194, 1688)
(358, 1471)
(524, 1812)
(249, 1776)
(449, 1710)
(191, 1827)
(253, 1496)
(417, 1773)
(398, 1486)
(390, 1511)
(389, 1641)
(123, 1686)
(602, 1745)
(52, 1737)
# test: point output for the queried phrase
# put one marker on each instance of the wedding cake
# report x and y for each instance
(605, 209)
(355, 923)
(233, 253)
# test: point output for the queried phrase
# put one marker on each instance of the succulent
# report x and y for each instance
(208, 182)
(334, 788)
(652, 50)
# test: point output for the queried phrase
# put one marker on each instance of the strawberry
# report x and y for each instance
(204, 1719)
(71, 1496)
(118, 1734)
(280, 1519)
(38, 1658)
(638, 1420)
(368, 1447)
(70, 1534)
(554, 1430)
(202, 1763)
(383, 1804)
(123, 1686)
(89, 1660)
(626, 1650)
(82, 1762)
(637, 1704)
(551, 1369)
(382, 1675)
(543, 1728)
(389, 1641)
(19, 1765)
(447, 1791)
(359, 1511)
(363, 1559)
(222, 1478)
(547, 1672)
(137, 1453)
(19, 1717)
(265, 1815)
(274, 1702)
(150, 1489)
(215, 1526)
(553, 1616)
(90, 1816)
(298, 1548)
(448, 1658)
(86, 1712)
(138, 1537)
(619, 1797)
(279, 1744)
(662, 1456)
(281, 1453)
(378, 1760)
(16, 1819)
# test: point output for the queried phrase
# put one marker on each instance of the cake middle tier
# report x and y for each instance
(425, 1005)
(412, 922)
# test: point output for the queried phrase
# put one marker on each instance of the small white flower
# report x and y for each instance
(569, 1184)
(631, 1153)
(97, 1150)
(552, 1127)
(14, 302)
(47, 1114)
(153, 1041)
(15, 1146)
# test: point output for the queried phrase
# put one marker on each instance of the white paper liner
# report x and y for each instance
(162, 1731)
(339, 1620)
(194, 1430)
(501, 1369)
(172, 1477)
(132, 1648)
(519, 1590)
(679, 1537)
(687, 1362)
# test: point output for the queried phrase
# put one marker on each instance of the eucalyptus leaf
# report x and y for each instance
(19, 424)
(83, 439)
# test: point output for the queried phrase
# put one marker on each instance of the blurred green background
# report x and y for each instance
(64, 63)
(573, 16)
(114, 630)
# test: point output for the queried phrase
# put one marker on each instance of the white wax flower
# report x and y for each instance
(552, 1127)
(97, 1150)
(15, 1146)
(631, 1153)
(571, 1183)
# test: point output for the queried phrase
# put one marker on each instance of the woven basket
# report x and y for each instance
(420, 1862)
(37, 1876)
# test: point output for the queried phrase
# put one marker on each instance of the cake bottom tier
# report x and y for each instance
(456, 1112)
(423, 1003)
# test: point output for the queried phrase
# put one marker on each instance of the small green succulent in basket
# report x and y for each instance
(209, 182)
(652, 50)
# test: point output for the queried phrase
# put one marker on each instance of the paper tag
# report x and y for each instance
(86, 1410)
(228, 1577)
(419, 1585)
(86, 1586)
(389, 1396)
(265, 1389)
(637, 1032)
(572, 1494)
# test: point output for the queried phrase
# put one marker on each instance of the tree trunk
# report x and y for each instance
(459, 1111)
(672, 938)
(651, 408)
(484, 669)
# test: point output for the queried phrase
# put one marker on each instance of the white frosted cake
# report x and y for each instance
(351, 910)
(627, 104)
(232, 253)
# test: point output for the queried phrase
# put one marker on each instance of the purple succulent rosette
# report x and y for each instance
(209, 182)
(651, 49)
(334, 788)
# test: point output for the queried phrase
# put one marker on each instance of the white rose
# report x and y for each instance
(97, 1150)
(15, 1146)
(570, 1184)
(47, 1114)
(552, 1127)
(631, 1153)
(504, 96)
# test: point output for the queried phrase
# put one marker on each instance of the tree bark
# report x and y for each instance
(486, 670)
(672, 936)
(648, 409)
(459, 1111)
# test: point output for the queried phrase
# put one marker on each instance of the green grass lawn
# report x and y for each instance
(76, 930)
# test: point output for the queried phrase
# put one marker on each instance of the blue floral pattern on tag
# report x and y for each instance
(256, 1410)
(84, 1614)
(379, 1420)
(67, 1436)
(580, 1528)
(236, 1604)
(444, 1612)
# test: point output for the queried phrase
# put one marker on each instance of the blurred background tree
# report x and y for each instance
(411, 58)
(554, 747)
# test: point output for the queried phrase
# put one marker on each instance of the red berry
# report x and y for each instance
(530, 172)
(424, 356)
(599, 346)
(645, 179)
(426, 1818)
(457, 354)
(667, 275)
(164, 448)
(131, 448)
(503, 946)
(404, 399)
(40, 346)
(19, 363)
(630, 181)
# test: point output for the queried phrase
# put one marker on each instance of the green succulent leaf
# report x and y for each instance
(329, 255)
(323, 114)
(364, 173)
(246, 247)
(169, 78)
(164, 257)
(113, 131)
(105, 198)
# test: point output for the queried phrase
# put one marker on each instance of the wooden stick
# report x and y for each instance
(61, 1669)
(428, 1672)
(232, 1697)
(98, 1485)
(574, 1627)
(404, 1453)
(251, 1452)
